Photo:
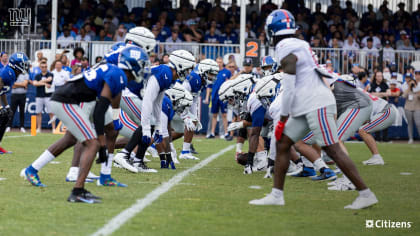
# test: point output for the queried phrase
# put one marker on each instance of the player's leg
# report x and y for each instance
(4, 120)
(410, 124)
(225, 121)
(215, 112)
(323, 125)
(296, 128)
(318, 164)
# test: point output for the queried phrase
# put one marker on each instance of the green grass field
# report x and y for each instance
(210, 201)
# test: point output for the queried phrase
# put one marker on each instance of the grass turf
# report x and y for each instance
(211, 201)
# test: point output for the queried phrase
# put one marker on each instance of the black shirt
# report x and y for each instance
(74, 92)
(40, 90)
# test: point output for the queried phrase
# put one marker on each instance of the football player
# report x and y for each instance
(18, 64)
(307, 104)
(105, 83)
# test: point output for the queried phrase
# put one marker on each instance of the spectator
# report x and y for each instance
(371, 54)
(388, 53)
(60, 76)
(212, 36)
(174, 38)
(350, 49)
(4, 59)
(394, 92)
(18, 99)
(98, 59)
(411, 92)
(77, 69)
(102, 36)
(362, 81)
(43, 83)
(88, 29)
(119, 34)
(251, 7)
(378, 86)
(85, 64)
(78, 54)
(165, 59)
(229, 37)
(39, 56)
(83, 36)
(217, 105)
(65, 40)
(376, 41)
(401, 15)
(65, 62)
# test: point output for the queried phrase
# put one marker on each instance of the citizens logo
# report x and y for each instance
(388, 224)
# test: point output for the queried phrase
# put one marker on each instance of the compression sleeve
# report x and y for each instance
(150, 95)
(99, 114)
(164, 125)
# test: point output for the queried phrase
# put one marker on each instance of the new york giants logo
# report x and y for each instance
(20, 16)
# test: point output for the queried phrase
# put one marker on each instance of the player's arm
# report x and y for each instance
(288, 64)
(101, 107)
(257, 123)
(208, 93)
(150, 96)
(3, 94)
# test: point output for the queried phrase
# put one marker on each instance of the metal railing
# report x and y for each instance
(341, 59)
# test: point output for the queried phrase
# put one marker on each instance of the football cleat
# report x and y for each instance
(73, 174)
(146, 160)
(228, 137)
(122, 159)
(92, 176)
(85, 197)
(326, 174)
(4, 151)
(269, 172)
(338, 181)
(210, 136)
(306, 172)
(32, 176)
(342, 186)
(294, 169)
(326, 158)
(187, 156)
(270, 199)
(377, 160)
(362, 202)
(193, 151)
(107, 180)
(142, 167)
(163, 164)
(247, 169)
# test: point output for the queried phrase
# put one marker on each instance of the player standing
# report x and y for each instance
(307, 105)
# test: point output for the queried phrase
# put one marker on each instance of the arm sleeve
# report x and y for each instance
(150, 95)
(194, 106)
(288, 84)
(99, 114)
(157, 108)
(164, 124)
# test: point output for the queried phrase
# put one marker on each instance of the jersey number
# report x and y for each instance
(253, 49)
(91, 74)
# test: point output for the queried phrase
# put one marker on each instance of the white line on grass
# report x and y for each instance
(116, 222)
(18, 136)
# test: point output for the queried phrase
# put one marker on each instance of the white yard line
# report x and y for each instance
(116, 222)
(18, 136)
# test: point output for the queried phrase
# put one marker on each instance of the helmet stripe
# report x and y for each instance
(287, 18)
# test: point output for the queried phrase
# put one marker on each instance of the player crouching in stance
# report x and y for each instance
(181, 63)
(18, 64)
(104, 82)
(307, 105)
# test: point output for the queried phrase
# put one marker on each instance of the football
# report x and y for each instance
(241, 158)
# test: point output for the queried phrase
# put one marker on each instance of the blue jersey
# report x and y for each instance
(223, 75)
(8, 77)
(167, 108)
(135, 88)
(112, 56)
(106, 73)
(163, 75)
(67, 68)
(195, 82)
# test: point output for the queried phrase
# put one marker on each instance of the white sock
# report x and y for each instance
(239, 147)
(277, 192)
(377, 156)
(307, 163)
(186, 147)
(365, 193)
(42, 160)
(106, 167)
(319, 164)
(171, 144)
(74, 169)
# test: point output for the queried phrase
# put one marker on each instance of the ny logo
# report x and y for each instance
(20, 16)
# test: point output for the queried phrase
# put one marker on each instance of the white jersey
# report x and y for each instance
(378, 104)
(310, 93)
(253, 103)
(275, 107)
(127, 93)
